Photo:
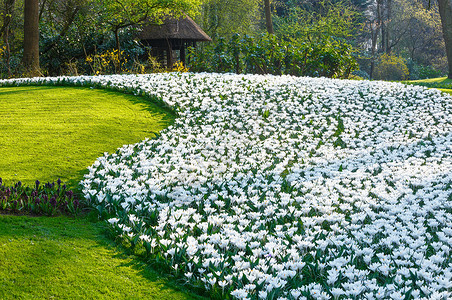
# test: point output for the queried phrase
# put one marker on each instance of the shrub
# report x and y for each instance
(391, 67)
(269, 54)
(109, 62)
(49, 199)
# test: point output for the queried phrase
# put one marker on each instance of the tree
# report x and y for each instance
(31, 37)
(121, 14)
(6, 30)
(445, 11)
(59, 16)
(223, 19)
(268, 17)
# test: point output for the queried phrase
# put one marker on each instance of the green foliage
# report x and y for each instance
(220, 18)
(391, 67)
(119, 14)
(418, 71)
(49, 199)
(307, 43)
(328, 19)
(269, 54)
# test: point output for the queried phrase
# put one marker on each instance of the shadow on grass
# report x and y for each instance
(41, 256)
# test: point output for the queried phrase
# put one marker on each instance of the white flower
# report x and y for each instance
(113, 220)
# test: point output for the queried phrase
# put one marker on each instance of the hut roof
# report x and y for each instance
(183, 28)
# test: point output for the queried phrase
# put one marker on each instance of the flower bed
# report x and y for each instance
(284, 187)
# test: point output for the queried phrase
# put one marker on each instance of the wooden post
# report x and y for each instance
(169, 55)
(182, 53)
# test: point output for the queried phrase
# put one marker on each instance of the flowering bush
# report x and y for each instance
(391, 67)
(48, 199)
(273, 187)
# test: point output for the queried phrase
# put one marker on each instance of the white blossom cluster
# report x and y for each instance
(277, 187)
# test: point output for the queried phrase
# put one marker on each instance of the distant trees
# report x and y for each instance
(52, 37)
(407, 28)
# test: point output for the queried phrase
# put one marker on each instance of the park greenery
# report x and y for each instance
(286, 174)
(279, 186)
(333, 38)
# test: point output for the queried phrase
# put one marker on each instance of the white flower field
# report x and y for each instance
(278, 187)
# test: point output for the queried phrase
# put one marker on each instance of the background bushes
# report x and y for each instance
(391, 67)
(269, 54)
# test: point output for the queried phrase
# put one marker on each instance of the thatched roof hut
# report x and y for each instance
(170, 39)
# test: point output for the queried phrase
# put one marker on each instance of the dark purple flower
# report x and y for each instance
(37, 184)
(1, 181)
(53, 201)
(59, 181)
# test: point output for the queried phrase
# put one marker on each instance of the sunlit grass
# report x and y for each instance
(48, 133)
(433, 80)
(63, 258)
(443, 84)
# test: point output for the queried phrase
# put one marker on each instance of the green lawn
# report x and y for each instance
(64, 258)
(57, 132)
(443, 84)
(434, 80)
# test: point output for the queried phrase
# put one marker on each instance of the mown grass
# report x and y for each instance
(57, 132)
(64, 258)
(443, 84)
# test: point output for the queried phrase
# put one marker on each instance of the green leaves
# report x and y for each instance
(49, 199)
(269, 54)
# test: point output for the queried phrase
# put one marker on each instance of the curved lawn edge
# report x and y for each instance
(84, 81)
(45, 149)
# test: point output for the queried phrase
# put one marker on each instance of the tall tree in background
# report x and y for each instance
(31, 37)
(6, 30)
(268, 17)
(445, 11)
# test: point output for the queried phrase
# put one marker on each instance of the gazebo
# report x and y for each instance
(169, 40)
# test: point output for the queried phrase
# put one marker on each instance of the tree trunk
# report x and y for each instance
(7, 17)
(31, 37)
(268, 17)
(445, 11)
(374, 37)
(387, 48)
